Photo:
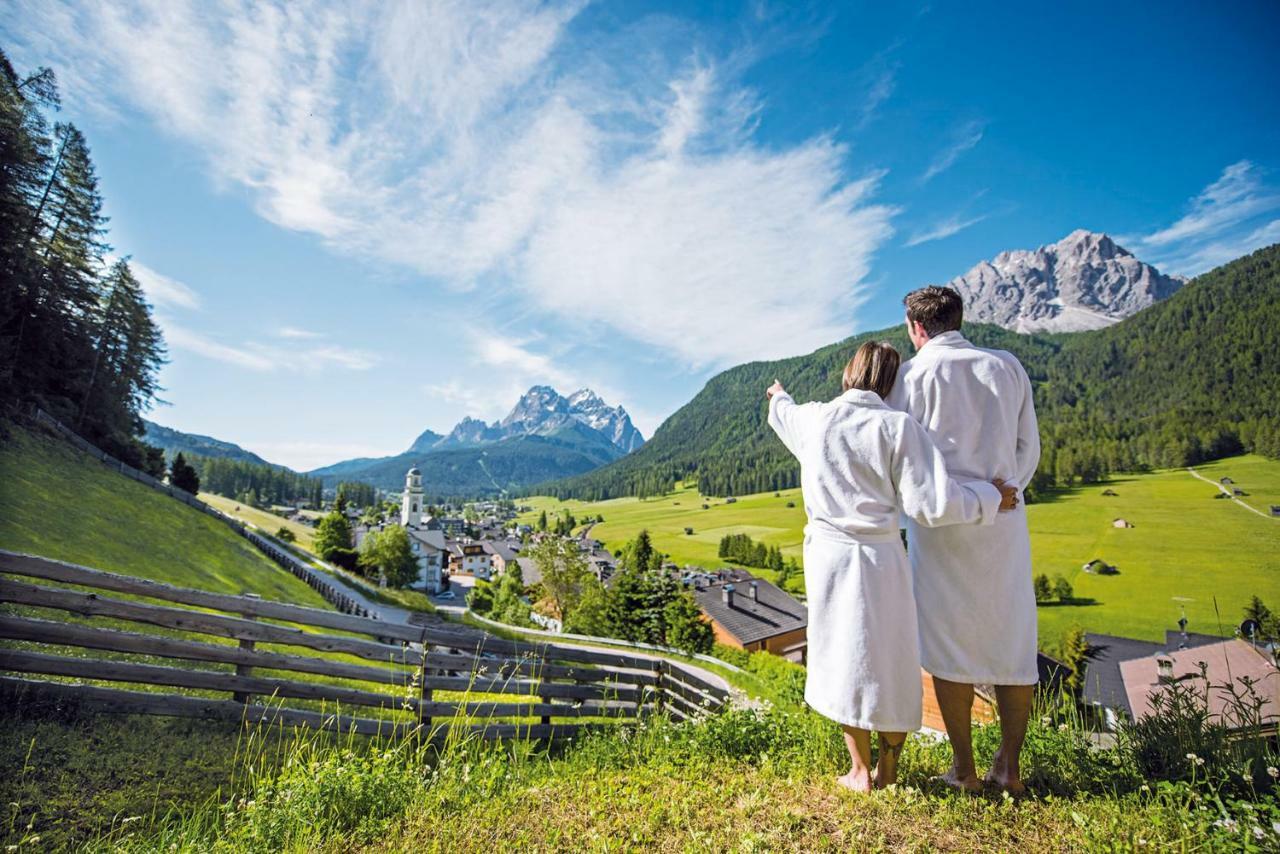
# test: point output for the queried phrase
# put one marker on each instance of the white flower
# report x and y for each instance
(1273, 771)
(1145, 788)
(1062, 727)
(1258, 833)
(1191, 756)
(1199, 761)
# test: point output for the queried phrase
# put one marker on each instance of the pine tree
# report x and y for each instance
(686, 628)
(183, 476)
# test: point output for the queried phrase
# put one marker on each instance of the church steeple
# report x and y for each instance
(412, 503)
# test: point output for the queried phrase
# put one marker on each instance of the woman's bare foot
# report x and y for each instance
(967, 783)
(856, 782)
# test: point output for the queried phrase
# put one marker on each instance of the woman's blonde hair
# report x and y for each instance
(873, 368)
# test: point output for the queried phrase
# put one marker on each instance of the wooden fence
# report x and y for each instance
(532, 690)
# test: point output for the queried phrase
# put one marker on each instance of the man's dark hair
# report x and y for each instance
(935, 308)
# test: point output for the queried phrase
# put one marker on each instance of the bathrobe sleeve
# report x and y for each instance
(927, 493)
(1027, 453)
(785, 418)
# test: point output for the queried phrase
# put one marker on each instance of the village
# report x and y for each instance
(459, 545)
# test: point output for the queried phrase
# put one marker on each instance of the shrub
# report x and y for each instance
(286, 535)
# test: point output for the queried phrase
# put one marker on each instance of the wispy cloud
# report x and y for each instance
(260, 357)
(181, 338)
(1229, 218)
(964, 138)
(295, 332)
(880, 90)
(944, 228)
(613, 181)
(163, 290)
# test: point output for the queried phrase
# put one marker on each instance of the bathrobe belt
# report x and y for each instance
(848, 538)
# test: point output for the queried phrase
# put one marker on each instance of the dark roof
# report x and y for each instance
(1103, 685)
(504, 549)
(749, 621)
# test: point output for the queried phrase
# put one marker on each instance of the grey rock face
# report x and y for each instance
(1084, 281)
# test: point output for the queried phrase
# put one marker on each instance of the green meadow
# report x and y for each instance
(1186, 550)
(59, 503)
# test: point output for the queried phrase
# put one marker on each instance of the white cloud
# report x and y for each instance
(1227, 219)
(965, 138)
(256, 356)
(295, 332)
(944, 228)
(474, 143)
(180, 338)
(162, 290)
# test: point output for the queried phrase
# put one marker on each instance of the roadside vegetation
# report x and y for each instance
(752, 778)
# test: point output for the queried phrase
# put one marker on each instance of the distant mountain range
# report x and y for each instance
(545, 436)
(173, 442)
(1084, 281)
(1189, 378)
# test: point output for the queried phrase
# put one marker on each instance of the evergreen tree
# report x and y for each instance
(686, 628)
(184, 476)
(1061, 589)
(1075, 654)
(1043, 589)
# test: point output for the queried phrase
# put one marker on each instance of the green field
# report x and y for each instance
(1184, 550)
(59, 503)
(268, 522)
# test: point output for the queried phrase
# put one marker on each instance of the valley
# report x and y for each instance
(1185, 548)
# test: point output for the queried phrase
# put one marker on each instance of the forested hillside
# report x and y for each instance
(173, 442)
(1192, 378)
(76, 333)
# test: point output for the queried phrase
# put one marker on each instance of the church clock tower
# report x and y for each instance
(412, 504)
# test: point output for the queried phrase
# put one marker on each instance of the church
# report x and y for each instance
(426, 539)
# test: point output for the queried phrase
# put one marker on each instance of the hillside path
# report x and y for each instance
(1229, 494)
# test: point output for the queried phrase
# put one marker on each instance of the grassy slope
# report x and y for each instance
(59, 503)
(1184, 543)
(268, 522)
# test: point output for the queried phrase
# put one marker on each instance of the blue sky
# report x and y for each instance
(357, 221)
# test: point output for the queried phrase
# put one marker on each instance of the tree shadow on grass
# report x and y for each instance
(1073, 602)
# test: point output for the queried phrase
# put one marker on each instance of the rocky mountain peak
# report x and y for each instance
(1084, 281)
(544, 411)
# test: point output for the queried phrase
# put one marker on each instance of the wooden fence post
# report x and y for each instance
(660, 685)
(245, 669)
(424, 688)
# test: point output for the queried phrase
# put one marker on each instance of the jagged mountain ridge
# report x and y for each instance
(1084, 281)
(545, 435)
(543, 411)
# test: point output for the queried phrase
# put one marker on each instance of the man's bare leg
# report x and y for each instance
(1014, 703)
(858, 742)
(955, 701)
(887, 766)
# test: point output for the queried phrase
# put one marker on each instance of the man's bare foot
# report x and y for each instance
(961, 783)
(856, 782)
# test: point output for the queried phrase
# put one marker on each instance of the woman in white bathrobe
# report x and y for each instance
(861, 464)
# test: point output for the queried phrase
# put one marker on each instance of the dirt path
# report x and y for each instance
(1228, 493)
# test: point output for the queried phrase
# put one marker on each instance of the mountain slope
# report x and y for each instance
(62, 504)
(173, 442)
(1084, 281)
(1190, 378)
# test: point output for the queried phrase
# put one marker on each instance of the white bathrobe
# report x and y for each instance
(861, 461)
(973, 586)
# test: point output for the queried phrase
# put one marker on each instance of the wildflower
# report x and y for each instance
(1258, 832)
(1046, 720)
(1226, 823)
(1145, 788)
(1062, 727)
(1273, 771)
(130, 819)
(1199, 760)
(1191, 757)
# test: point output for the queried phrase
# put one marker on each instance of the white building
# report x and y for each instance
(427, 543)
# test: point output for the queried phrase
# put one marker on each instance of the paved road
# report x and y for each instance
(1229, 494)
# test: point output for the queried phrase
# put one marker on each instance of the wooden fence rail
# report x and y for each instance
(256, 650)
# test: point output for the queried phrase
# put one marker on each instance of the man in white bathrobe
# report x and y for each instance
(977, 613)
